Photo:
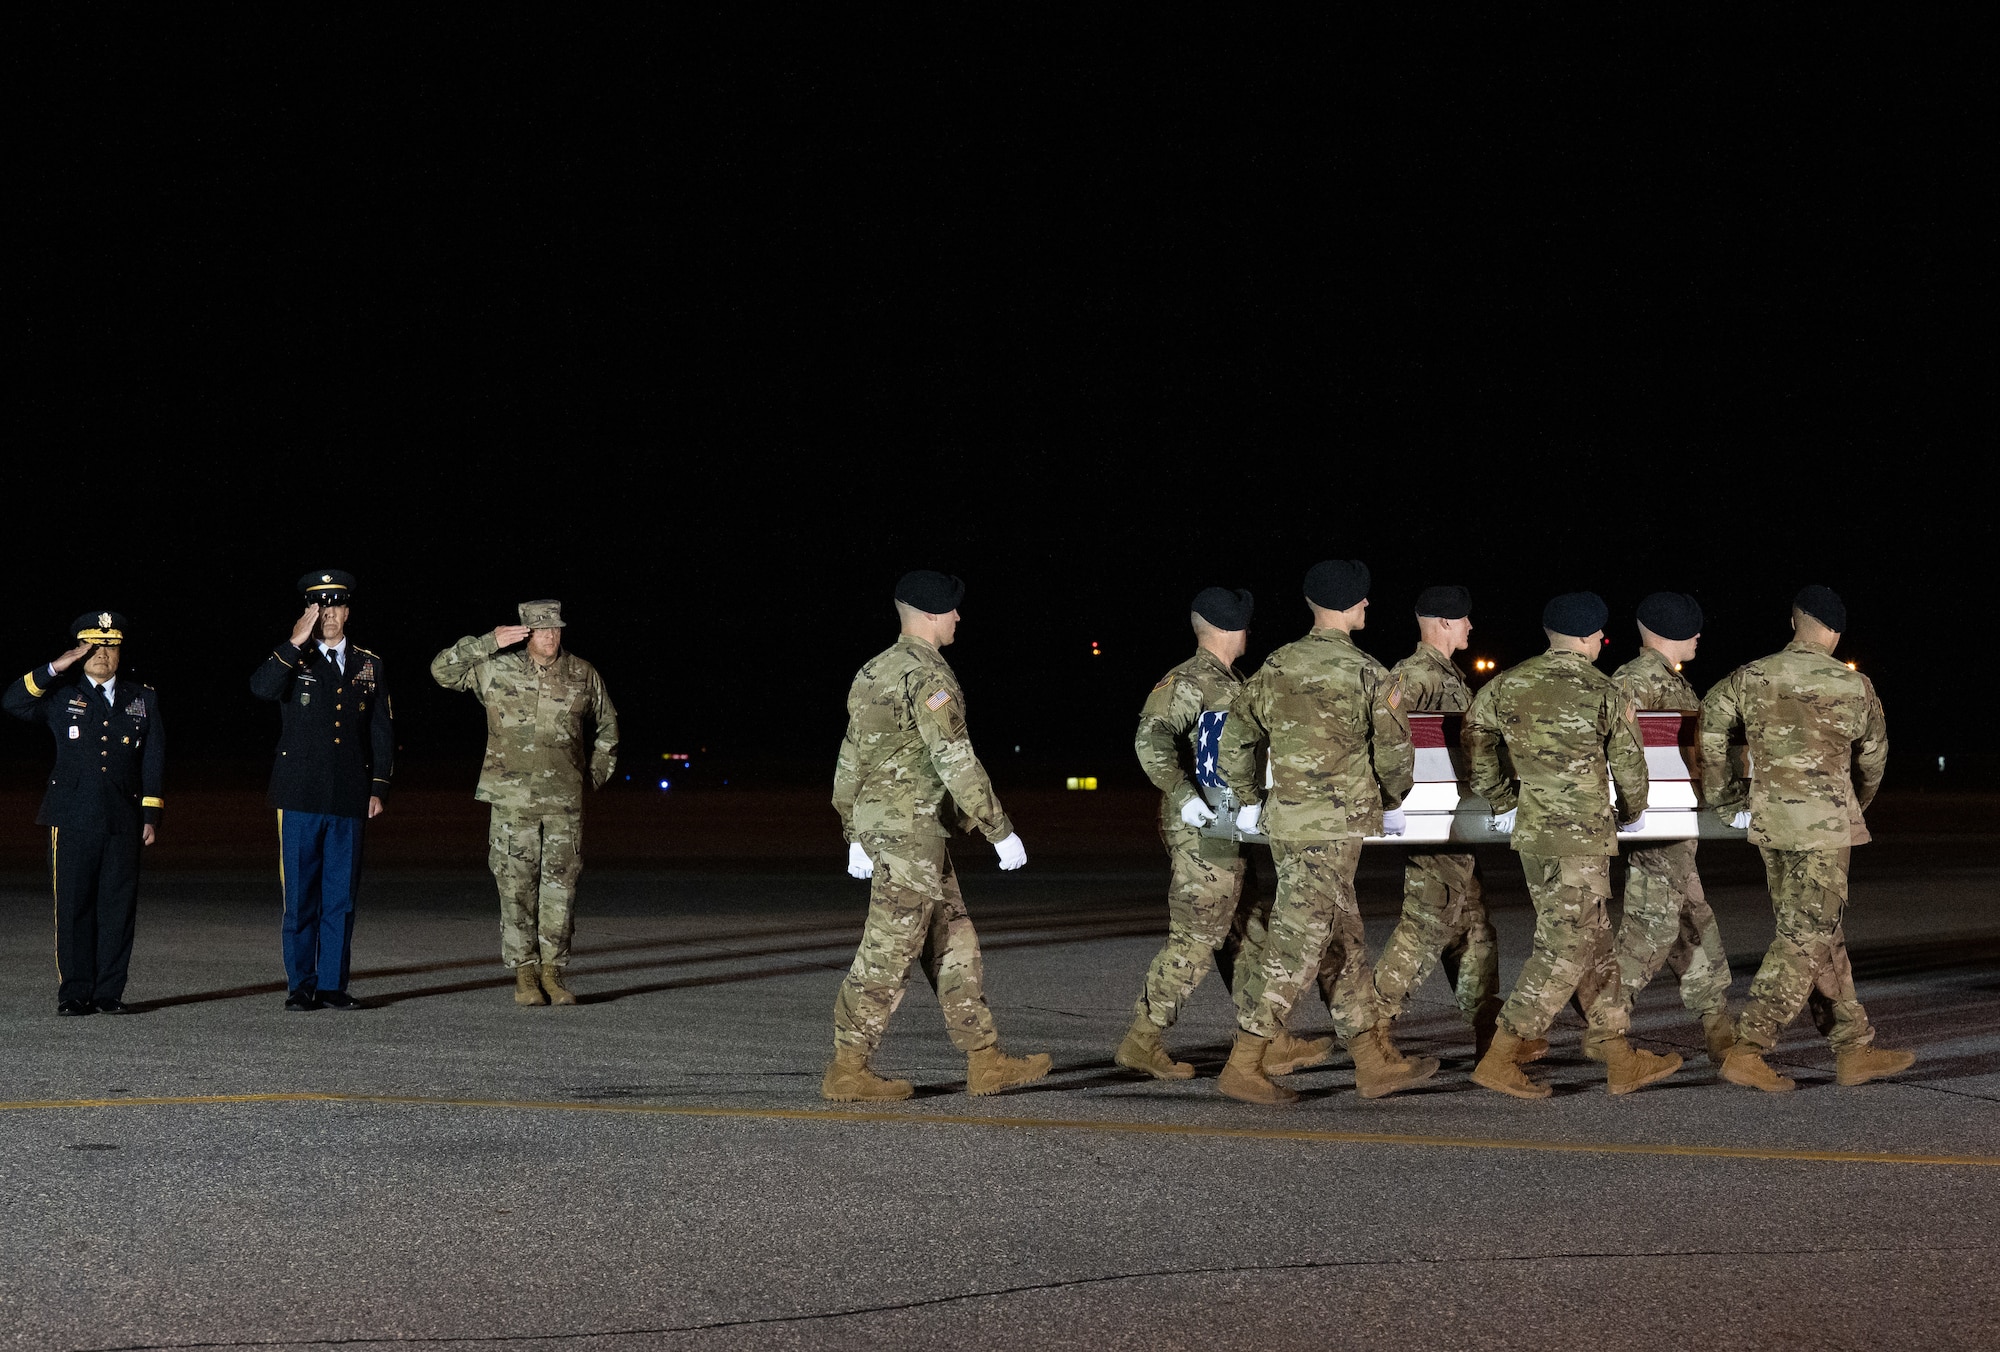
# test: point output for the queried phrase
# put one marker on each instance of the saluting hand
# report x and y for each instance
(507, 635)
(308, 622)
(70, 658)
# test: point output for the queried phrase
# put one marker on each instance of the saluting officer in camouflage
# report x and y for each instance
(1340, 762)
(1444, 911)
(538, 698)
(1667, 917)
(1207, 878)
(1817, 745)
(906, 748)
(1563, 722)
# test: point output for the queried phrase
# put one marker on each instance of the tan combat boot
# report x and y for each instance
(1530, 1049)
(989, 1070)
(1244, 1080)
(1287, 1055)
(1500, 1069)
(849, 1080)
(1627, 1068)
(1375, 1075)
(1745, 1066)
(1387, 1046)
(1143, 1051)
(1718, 1030)
(528, 984)
(559, 994)
(1862, 1064)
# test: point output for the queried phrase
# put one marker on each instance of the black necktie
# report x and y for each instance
(105, 690)
(333, 656)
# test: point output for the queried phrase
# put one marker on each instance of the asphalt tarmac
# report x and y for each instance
(654, 1168)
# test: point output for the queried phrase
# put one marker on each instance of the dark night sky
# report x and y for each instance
(713, 333)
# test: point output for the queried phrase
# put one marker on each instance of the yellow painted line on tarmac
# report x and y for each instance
(921, 1119)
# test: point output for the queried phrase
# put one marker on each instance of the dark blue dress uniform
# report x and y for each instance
(336, 750)
(111, 757)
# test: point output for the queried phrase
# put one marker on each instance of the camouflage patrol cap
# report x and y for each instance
(327, 587)
(1337, 584)
(932, 593)
(1577, 614)
(542, 615)
(99, 628)
(1225, 609)
(1671, 615)
(1444, 603)
(1823, 604)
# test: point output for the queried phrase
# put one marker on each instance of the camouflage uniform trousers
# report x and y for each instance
(1572, 937)
(1203, 900)
(1315, 926)
(536, 858)
(1807, 960)
(1667, 922)
(914, 911)
(1444, 920)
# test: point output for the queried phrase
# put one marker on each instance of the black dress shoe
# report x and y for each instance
(302, 1001)
(76, 1007)
(113, 1007)
(339, 1000)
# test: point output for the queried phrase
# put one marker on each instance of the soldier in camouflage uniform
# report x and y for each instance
(1444, 913)
(1817, 747)
(1340, 762)
(1667, 918)
(1562, 720)
(1206, 893)
(906, 747)
(537, 700)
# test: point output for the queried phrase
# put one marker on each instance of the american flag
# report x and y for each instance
(1207, 746)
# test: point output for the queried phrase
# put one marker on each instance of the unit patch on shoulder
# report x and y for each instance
(1163, 685)
(938, 701)
(1396, 694)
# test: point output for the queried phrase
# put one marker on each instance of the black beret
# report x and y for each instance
(1337, 584)
(102, 628)
(1223, 608)
(328, 586)
(1672, 615)
(1444, 603)
(932, 593)
(1823, 604)
(1577, 614)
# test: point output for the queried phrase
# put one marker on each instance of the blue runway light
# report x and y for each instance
(665, 785)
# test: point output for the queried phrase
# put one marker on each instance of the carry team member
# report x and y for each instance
(906, 747)
(1818, 744)
(538, 697)
(336, 754)
(102, 806)
(1340, 763)
(1571, 735)
(1444, 910)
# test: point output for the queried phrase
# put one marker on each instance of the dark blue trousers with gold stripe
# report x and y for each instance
(96, 879)
(320, 859)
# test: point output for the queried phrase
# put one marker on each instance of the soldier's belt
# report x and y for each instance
(1441, 808)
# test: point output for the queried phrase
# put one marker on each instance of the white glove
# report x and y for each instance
(1013, 853)
(1246, 818)
(859, 865)
(1394, 823)
(1741, 821)
(1197, 813)
(1635, 826)
(1504, 823)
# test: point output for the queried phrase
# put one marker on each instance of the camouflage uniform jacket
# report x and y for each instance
(1818, 744)
(1200, 685)
(1562, 720)
(1651, 683)
(534, 723)
(1339, 741)
(906, 746)
(1432, 683)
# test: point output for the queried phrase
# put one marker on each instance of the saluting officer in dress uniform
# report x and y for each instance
(336, 753)
(102, 805)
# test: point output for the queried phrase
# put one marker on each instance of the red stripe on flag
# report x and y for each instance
(1427, 730)
(1660, 728)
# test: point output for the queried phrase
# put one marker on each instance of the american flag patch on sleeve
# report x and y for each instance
(938, 701)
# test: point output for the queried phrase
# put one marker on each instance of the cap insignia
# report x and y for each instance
(104, 619)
